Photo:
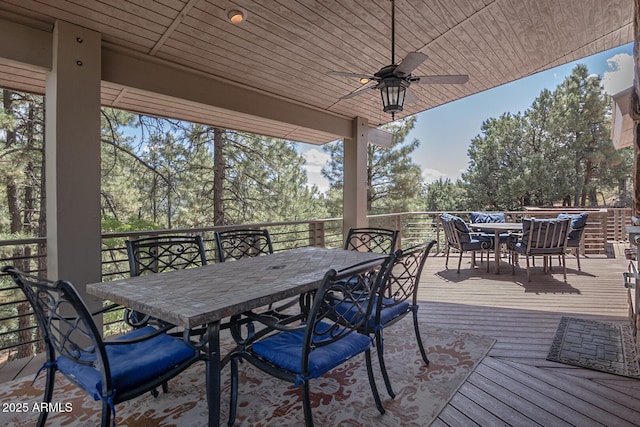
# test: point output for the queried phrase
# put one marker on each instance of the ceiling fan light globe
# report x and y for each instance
(393, 91)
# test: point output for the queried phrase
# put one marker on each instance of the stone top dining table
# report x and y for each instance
(205, 295)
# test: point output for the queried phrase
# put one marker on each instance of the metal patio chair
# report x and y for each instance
(243, 243)
(576, 235)
(369, 239)
(327, 338)
(488, 217)
(112, 371)
(233, 245)
(397, 298)
(459, 237)
(159, 254)
(542, 237)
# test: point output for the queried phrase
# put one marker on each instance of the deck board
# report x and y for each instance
(584, 394)
(515, 384)
(492, 397)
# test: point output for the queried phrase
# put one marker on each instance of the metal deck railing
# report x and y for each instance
(19, 336)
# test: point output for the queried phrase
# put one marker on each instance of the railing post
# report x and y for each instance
(316, 233)
(396, 225)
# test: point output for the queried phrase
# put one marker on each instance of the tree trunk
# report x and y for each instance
(584, 194)
(218, 176)
(42, 226)
(169, 202)
(15, 219)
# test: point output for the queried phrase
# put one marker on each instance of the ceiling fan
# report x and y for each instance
(394, 80)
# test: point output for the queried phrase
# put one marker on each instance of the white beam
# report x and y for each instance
(157, 76)
(379, 137)
(20, 43)
(33, 46)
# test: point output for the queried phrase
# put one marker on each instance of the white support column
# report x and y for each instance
(355, 177)
(72, 153)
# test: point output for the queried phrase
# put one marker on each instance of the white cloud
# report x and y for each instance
(316, 160)
(620, 73)
(432, 175)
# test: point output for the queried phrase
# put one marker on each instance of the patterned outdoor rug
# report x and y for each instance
(342, 397)
(607, 347)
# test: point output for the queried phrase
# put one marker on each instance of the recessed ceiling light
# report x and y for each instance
(236, 16)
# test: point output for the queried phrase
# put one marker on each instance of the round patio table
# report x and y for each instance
(496, 228)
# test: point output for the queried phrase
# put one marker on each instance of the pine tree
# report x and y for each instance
(394, 182)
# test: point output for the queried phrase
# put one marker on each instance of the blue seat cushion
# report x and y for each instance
(389, 311)
(481, 217)
(285, 350)
(131, 364)
(578, 221)
(477, 244)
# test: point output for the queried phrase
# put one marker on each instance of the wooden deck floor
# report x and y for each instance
(515, 385)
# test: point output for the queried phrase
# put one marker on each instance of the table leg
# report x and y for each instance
(213, 373)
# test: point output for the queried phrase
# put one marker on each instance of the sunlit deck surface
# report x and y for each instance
(515, 384)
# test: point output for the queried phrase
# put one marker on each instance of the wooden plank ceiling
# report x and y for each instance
(286, 47)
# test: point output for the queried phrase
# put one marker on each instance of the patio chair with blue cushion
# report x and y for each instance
(459, 237)
(242, 243)
(371, 239)
(397, 298)
(233, 245)
(326, 339)
(542, 237)
(112, 371)
(578, 225)
(159, 254)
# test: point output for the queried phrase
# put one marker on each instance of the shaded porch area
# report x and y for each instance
(515, 384)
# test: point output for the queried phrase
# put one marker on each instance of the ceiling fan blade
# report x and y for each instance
(359, 92)
(409, 63)
(453, 79)
(356, 75)
(410, 96)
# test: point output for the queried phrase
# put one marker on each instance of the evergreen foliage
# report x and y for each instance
(394, 182)
(557, 152)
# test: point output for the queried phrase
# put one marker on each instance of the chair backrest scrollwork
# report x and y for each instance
(67, 326)
(165, 253)
(378, 240)
(404, 276)
(236, 244)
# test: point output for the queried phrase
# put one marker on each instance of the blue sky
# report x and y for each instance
(445, 132)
